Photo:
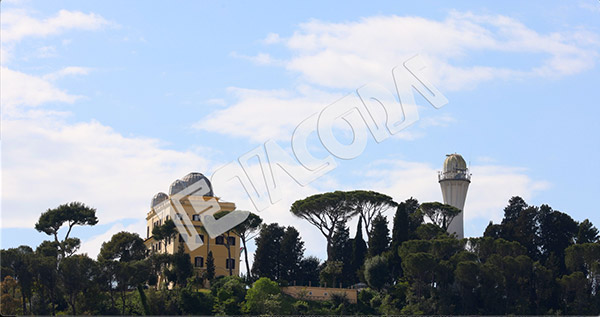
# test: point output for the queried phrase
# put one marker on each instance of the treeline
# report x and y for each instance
(536, 261)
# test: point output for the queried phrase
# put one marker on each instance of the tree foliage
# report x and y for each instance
(73, 214)
(325, 211)
(537, 261)
(440, 214)
(260, 295)
(377, 272)
(279, 251)
(379, 239)
(369, 204)
(247, 231)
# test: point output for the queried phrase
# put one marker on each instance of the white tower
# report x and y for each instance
(455, 180)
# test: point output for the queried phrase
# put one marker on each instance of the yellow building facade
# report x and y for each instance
(225, 248)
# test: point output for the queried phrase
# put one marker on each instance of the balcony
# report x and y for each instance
(454, 175)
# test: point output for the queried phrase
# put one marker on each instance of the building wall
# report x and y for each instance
(164, 211)
(319, 293)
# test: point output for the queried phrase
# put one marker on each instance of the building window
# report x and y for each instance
(231, 240)
(325, 293)
(159, 245)
(166, 218)
(196, 217)
(181, 238)
(147, 232)
(230, 263)
(200, 238)
(219, 240)
(199, 261)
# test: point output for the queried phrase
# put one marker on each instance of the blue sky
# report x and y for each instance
(109, 102)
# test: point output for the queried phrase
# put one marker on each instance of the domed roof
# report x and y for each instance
(194, 177)
(158, 198)
(177, 186)
(454, 162)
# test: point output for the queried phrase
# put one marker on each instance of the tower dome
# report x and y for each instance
(194, 177)
(455, 167)
(158, 198)
(177, 186)
(454, 163)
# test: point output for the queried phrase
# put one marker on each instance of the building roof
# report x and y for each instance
(454, 162)
(188, 180)
(158, 198)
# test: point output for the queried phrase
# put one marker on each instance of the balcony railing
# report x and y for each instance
(459, 175)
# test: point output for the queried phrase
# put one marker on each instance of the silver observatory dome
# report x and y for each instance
(188, 180)
(158, 198)
(177, 186)
(194, 177)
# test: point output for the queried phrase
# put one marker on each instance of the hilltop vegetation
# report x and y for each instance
(536, 261)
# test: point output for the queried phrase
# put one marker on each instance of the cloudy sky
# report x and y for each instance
(108, 102)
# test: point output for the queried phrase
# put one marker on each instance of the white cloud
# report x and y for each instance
(68, 71)
(348, 54)
(23, 90)
(262, 115)
(259, 59)
(48, 162)
(18, 24)
(272, 38)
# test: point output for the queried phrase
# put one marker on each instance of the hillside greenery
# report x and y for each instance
(537, 260)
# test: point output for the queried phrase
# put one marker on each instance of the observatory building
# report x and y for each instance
(454, 180)
(225, 248)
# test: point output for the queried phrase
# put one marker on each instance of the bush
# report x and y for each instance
(262, 297)
(377, 272)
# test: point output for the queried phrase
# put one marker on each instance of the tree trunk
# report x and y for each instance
(229, 255)
(73, 305)
(246, 259)
(207, 245)
(123, 302)
(52, 302)
(23, 301)
(329, 250)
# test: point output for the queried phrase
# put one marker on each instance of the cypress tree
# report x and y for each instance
(400, 229)
(379, 239)
(291, 254)
(210, 267)
(359, 252)
(342, 251)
